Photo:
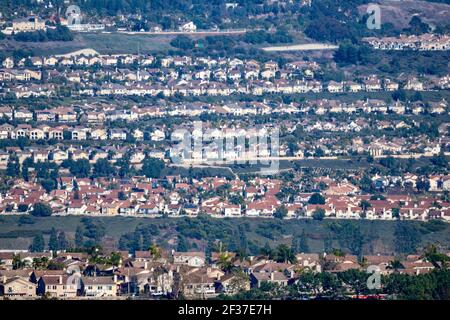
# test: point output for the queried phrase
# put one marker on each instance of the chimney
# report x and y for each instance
(145, 265)
(115, 278)
(272, 276)
(60, 279)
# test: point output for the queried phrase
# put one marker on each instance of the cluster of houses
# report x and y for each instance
(87, 73)
(59, 126)
(219, 197)
(91, 114)
(171, 274)
(424, 42)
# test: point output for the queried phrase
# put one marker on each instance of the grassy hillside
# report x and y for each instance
(378, 235)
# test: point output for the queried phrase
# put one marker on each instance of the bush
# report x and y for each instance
(319, 214)
(41, 210)
(316, 198)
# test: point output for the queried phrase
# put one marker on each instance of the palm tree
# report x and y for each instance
(225, 262)
(155, 251)
(18, 263)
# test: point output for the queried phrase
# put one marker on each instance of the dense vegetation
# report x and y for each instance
(430, 286)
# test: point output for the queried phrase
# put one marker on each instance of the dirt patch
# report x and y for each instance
(302, 47)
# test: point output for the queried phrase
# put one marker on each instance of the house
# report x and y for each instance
(232, 284)
(277, 277)
(29, 24)
(231, 210)
(99, 287)
(353, 86)
(188, 27)
(23, 114)
(76, 208)
(148, 208)
(7, 259)
(117, 134)
(192, 259)
(414, 84)
(58, 286)
(200, 282)
(8, 63)
(335, 87)
(17, 287)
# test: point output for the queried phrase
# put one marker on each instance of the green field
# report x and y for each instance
(378, 235)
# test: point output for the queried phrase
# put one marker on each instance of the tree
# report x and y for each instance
(122, 196)
(395, 265)
(38, 244)
(79, 239)
(80, 168)
(316, 198)
(183, 245)
(319, 214)
(396, 213)
(152, 167)
(303, 242)
(62, 242)
(399, 95)
(41, 210)
(328, 243)
(17, 262)
(115, 259)
(182, 42)
(349, 236)
(53, 241)
(406, 237)
(13, 167)
(364, 205)
(155, 251)
(284, 254)
(281, 212)
(102, 168)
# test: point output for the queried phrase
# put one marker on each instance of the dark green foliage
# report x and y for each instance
(38, 244)
(93, 229)
(41, 210)
(316, 198)
(182, 42)
(407, 237)
(102, 168)
(79, 237)
(152, 167)
(79, 168)
(349, 236)
(281, 212)
(53, 241)
(319, 214)
(62, 242)
(13, 167)
(60, 33)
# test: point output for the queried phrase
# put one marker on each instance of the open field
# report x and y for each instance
(379, 235)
